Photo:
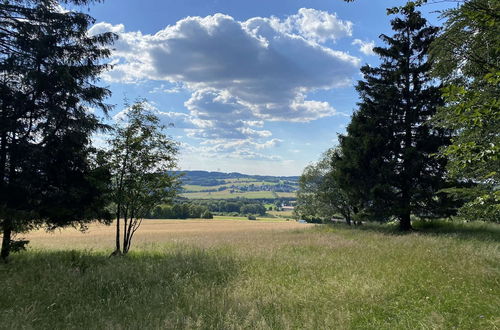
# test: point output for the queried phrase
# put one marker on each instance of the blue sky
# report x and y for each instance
(258, 87)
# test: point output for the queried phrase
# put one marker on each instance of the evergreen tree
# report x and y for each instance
(387, 166)
(48, 68)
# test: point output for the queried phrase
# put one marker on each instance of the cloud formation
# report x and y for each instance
(317, 25)
(240, 73)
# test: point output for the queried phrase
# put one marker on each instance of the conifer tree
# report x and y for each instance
(387, 165)
(48, 69)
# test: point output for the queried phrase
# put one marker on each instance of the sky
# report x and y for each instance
(256, 87)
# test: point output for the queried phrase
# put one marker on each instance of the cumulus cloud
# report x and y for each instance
(238, 149)
(318, 25)
(241, 74)
(366, 47)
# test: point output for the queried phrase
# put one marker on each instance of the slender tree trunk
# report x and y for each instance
(118, 250)
(347, 217)
(117, 240)
(6, 239)
(125, 234)
(405, 222)
(130, 228)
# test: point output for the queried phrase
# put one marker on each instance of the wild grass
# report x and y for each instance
(312, 277)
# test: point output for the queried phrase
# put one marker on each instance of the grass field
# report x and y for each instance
(226, 194)
(237, 274)
(198, 188)
(282, 214)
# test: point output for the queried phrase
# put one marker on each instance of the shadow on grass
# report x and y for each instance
(466, 231)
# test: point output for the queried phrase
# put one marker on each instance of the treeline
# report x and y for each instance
(180, 211)
(205, 209)
(424, 141)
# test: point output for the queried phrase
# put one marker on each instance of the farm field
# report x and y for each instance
(157, 232)
(216, 185)
(226, 194)
(224, 273)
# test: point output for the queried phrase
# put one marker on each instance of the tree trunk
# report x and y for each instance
(117, 247)
(6, 240)
(348, 219)
(125, 231)
(405, 222)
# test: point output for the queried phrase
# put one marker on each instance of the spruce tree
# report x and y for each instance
(49, 66)
(387, 167)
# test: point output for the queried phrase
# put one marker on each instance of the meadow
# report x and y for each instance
(238, 188)
(227, 194)
(242, 274)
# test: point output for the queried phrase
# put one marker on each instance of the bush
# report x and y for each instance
(251, 217)
(207, 215)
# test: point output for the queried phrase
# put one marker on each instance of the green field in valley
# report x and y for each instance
(226, 194)
(223, 186)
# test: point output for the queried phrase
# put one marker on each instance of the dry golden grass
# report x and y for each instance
(153, 232)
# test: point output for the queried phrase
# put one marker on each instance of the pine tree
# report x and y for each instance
(387, 165)
(48, 69)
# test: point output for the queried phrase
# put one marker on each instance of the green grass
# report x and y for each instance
(439, 277)
(197, 188)
(243, 218)
(225, 194)
(282, 214)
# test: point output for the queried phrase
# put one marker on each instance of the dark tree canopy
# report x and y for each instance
(49, 66)
(387, 165)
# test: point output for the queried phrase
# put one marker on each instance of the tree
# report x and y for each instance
(141, 158)
(319, 196)
(49, 66)
(467, 59)
(387, 165)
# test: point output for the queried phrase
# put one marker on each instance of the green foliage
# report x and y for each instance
(319, 195)
(207, 215)
(49, 68)
(140, 160)
(387, 167)
(181, 211)
(466, 58)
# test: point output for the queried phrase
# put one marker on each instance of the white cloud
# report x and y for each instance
(366, 47)
(318, 25)
(241, 74)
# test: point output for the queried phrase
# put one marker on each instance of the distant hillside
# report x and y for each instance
(219, 185)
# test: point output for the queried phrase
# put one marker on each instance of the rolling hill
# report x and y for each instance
(219, 185)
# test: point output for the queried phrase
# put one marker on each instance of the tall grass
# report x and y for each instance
(325, 277)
